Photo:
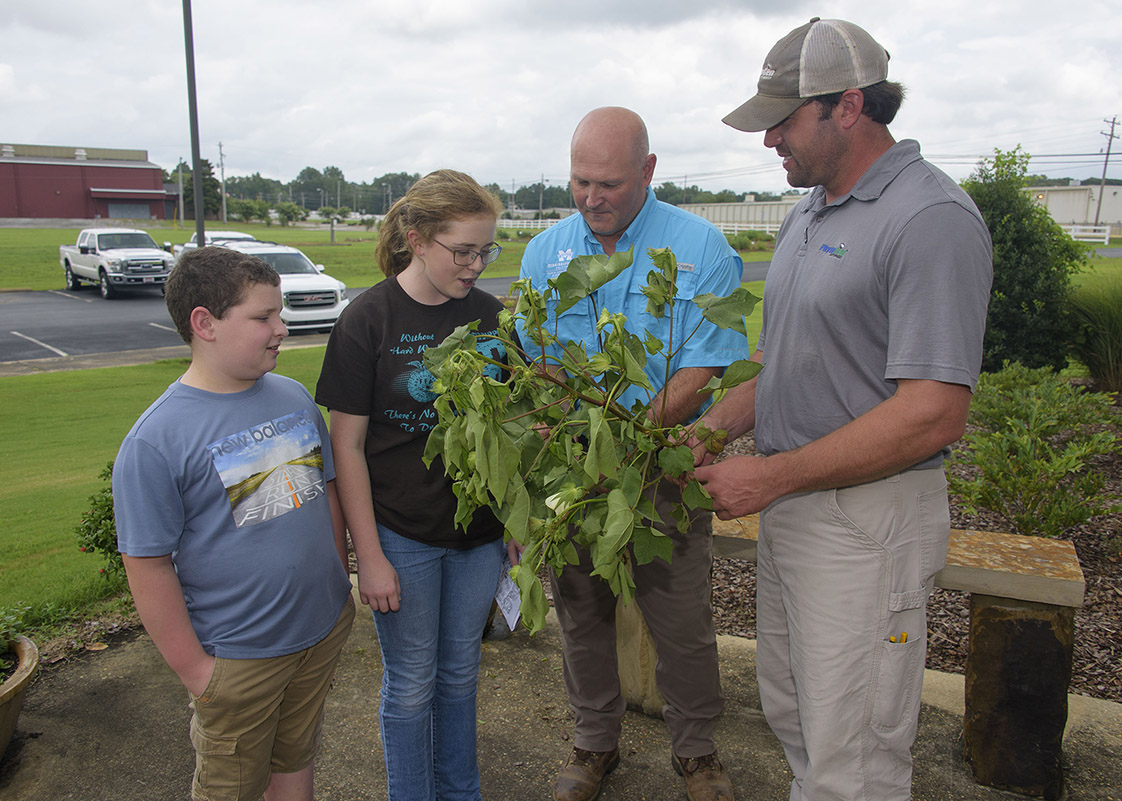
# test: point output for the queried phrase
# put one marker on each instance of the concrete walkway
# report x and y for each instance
(113, 725)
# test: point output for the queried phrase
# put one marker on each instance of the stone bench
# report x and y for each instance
(1023, 595)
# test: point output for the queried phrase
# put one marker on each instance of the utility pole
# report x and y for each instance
(193, 114)
(222, 170)
(179, 171)
(1110, 137)
(541, 191)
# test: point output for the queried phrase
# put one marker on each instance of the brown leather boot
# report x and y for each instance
(705, 777)
(580, 777)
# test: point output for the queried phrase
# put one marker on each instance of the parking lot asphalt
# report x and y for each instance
(123, 358)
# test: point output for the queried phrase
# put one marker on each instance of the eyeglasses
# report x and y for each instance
(466, 258)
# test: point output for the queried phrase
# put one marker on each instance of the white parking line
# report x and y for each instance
(40, 344)
(69, 295)
(163, 327)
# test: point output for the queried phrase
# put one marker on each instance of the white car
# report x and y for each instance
(212, 238)
(313, 300)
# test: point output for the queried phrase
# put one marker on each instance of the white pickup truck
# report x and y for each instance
(115, 259)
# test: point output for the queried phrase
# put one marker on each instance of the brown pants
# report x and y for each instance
(675, 601)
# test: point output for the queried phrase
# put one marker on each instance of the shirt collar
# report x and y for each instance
(876, 179)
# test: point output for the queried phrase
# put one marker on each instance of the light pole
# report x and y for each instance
(193, 113)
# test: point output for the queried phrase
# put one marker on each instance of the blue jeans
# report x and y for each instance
(430, 666)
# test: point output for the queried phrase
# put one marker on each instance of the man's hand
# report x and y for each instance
(378, 586)
(740, 485)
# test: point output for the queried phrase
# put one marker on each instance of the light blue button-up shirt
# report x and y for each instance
(706, 263)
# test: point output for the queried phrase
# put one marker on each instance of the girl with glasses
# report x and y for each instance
(428, 583)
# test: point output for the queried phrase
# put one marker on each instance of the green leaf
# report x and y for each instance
(667, 264)
(675, 461)
(586, 274)
(695, 496)
(618, 525)
(734, 375)
(533, 604)
(658, 293)
(728, 312)
(649, 544)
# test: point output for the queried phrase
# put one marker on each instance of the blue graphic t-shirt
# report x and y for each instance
(374, 367)
(234, 487)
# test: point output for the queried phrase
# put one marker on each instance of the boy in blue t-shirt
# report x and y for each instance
(232, 536)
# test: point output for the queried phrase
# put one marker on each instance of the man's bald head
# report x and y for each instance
(613, 129)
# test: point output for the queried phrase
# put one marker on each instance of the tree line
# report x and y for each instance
(328, 191)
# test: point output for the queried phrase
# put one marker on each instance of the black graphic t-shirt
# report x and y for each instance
(374, 367)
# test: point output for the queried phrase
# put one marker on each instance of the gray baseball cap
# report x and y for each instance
(819, 58)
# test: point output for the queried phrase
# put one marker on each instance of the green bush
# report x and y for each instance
(751, 240)
(11, 626)
(1033, 260)
(1032, 451)
(97, 532)
(1097, 309)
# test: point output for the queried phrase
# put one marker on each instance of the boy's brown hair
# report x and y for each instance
(216, 279)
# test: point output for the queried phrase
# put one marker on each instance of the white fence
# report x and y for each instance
(1089, 233)
(724, 226)
(737, 227)
(526, 225)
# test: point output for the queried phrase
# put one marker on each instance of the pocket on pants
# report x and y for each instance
(217, 766)
(899, 675)
(935, 531)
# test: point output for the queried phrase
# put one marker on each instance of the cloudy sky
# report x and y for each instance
(495, 87)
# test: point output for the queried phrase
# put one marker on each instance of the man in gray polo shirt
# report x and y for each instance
(873, 315)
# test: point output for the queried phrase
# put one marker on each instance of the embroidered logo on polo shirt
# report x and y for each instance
(565, 255)
(837, 251)
(686, 267)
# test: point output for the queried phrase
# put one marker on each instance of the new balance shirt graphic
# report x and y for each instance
(271, 468)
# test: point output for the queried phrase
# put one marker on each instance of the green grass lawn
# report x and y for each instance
(29, 256)
(44, 486)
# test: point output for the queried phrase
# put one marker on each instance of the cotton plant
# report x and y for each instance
(549, 445)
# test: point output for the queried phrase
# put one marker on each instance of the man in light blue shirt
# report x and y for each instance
(611, 170)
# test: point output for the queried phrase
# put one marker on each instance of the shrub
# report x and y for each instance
(1036, 437)
(1033, 261)
(751, 240)
(1097, 309)
(97, 532)
(288, 212)
(11, 626)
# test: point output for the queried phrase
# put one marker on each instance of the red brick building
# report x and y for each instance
(81, 183)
